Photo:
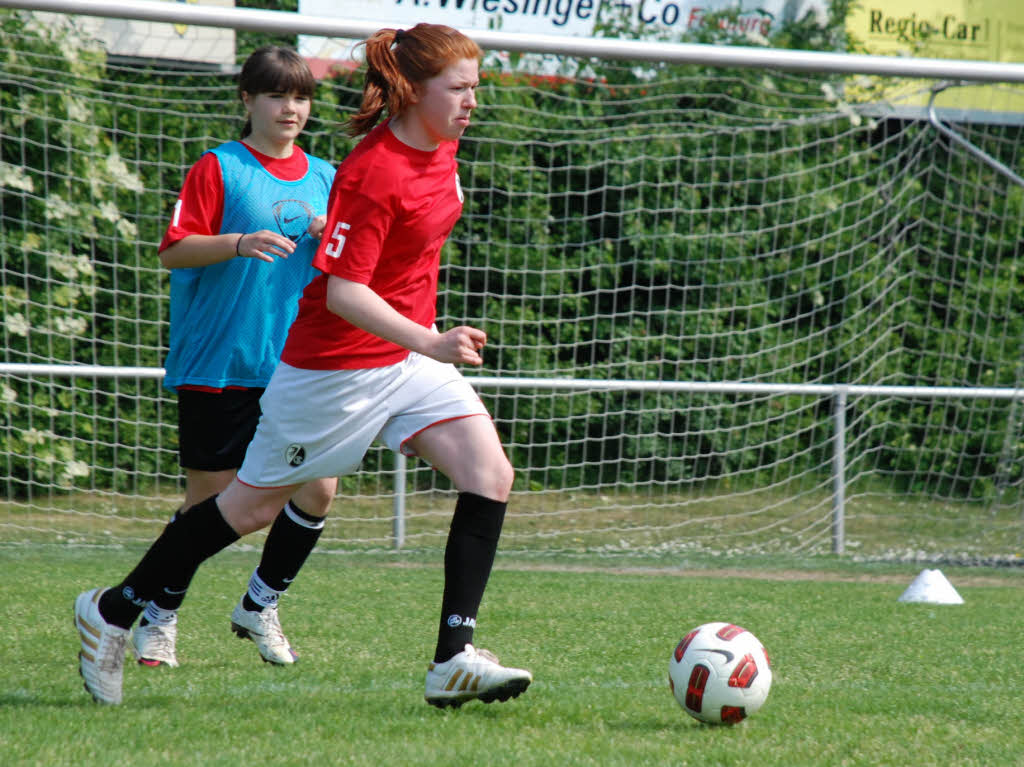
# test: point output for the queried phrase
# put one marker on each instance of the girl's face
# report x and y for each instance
(277, 118)
(442, 105)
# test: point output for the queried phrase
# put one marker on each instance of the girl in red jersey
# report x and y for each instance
(363, 361)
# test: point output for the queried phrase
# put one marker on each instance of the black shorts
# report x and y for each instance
(215, 428)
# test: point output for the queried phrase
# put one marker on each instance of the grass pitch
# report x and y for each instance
(860, 678)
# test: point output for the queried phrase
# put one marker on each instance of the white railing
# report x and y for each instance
(838, 393)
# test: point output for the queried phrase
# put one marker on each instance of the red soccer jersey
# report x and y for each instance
(391, 209)
(200, 206)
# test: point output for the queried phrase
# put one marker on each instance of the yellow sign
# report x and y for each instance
(988, 30)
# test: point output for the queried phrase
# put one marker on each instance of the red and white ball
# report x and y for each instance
(720, 673)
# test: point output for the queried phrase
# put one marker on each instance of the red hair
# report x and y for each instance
(398, 61)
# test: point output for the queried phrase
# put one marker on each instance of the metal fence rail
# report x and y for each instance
(838, 393)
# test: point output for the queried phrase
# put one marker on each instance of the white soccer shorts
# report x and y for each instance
(320, 423)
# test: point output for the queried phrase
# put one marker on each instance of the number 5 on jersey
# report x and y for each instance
(337, 239)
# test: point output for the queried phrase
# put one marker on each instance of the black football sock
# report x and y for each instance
(468, 557)
(290, 541)
(174, 557)
(170, 597)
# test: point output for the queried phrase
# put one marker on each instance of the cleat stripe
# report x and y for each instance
(88, 627)
(454, 680)
(88, 642)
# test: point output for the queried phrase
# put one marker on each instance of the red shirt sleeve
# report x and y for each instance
(353, 240)
(200, 206)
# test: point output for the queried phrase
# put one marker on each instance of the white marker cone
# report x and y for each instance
(932, 586)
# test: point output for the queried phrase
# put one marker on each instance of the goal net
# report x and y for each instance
(637, 237)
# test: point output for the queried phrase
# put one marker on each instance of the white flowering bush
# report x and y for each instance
(71, 238)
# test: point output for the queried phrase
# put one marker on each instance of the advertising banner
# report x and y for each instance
(578, 18)
(988, 30)
(991, 30)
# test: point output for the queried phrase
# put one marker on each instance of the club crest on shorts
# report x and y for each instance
(295, 454)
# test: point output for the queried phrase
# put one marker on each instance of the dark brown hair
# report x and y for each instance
(398, 61)
(274, 69)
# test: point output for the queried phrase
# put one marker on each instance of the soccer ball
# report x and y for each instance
(720, 673)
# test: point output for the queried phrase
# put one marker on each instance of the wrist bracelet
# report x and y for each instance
(238, 244)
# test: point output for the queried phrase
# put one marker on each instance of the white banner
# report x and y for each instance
(755, 19)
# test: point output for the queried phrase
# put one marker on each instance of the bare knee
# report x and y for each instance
(494, 481)
(200, 485)
(315, 497)
(507, 477)
(250, 518)
(248, 509)
(469, 453)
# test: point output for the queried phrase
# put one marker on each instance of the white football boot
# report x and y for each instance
(153, 644)
(263, 628)
(471, 674)
(101, 657)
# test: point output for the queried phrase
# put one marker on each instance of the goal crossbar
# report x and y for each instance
(603, 48)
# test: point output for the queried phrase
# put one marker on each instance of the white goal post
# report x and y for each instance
(734, 309)
(604, 48)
